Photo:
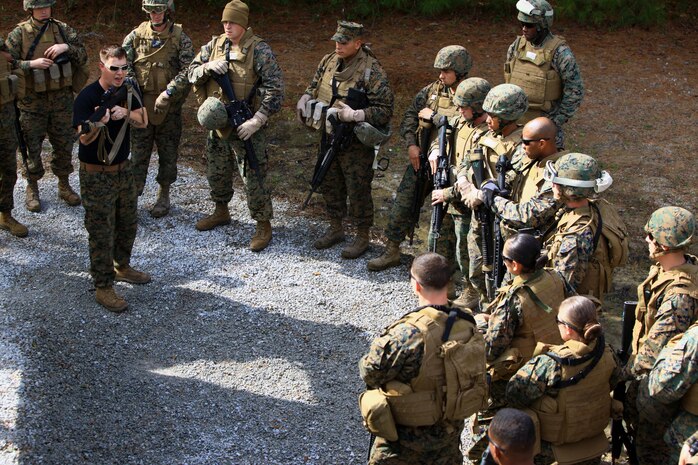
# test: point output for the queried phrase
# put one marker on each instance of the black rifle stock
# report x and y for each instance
(620, 436)
(342, 133)
(421, 183)
(498, 270)
(111, 98)
(239, 112)
(484, 217)
(440, 180)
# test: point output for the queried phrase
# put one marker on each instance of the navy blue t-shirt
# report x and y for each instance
(84, 106)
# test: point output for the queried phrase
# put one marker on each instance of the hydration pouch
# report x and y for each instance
(54, 73)
(376, 414)
(319, 114)
(39, 80)
(464, 364)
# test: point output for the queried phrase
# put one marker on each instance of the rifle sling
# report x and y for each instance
(595, 357)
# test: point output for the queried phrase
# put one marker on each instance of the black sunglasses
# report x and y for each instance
(496, 446)
(569, 325)
(118, 68)
(537, 139)
(507, 259)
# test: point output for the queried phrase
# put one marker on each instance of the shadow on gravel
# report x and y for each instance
(187, 380)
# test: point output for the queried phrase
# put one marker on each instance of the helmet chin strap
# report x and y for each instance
(164, 21)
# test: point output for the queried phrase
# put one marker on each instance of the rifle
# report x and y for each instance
(498, 270)
(440, 179)
(484, 217)
(620, 436)
(340, 140)
(21, 141)
(111, 98)
(421, 183)
(239, 112)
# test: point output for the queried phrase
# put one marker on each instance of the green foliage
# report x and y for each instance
(612, 12)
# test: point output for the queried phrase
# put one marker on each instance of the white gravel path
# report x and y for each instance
(228, 356)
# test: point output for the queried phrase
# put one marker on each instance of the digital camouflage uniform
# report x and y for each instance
(541, 376)
(510, 312)
(574, 249)
(401, 221)
(531, 203)
(47, 112)
(8, 139)
(667, 307)
(673, 376)
(350, 175)
(397, 356)
(167, 134)
(565, 64)
(225, 155)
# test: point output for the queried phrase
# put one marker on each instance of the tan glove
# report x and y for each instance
(464, 187)
(162, 102)
(252, 125)
(349, 115)
(217, 66)
(474, 199)
(300, 108)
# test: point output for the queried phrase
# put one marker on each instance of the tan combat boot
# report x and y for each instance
(333, 235)
(129, 275)
(31, 200)
(469, 298)
(262, 236)
(162, 204)
(219, 217)
(8, 223)
(67, 193)
(389, 259)
(109, 299)
(358, 247)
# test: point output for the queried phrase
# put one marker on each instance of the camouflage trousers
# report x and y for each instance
(224, 157)
(8, 157)
(166, 136)
(452, 243)
(681, 428)
(401, 220)
(110, 203)
(653, 420)
(49, 113)
(477, 274)
(349, 179)
(421, 448)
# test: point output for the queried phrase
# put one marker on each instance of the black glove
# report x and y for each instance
(490, 191)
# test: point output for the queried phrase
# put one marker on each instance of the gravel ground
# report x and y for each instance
(228, 356)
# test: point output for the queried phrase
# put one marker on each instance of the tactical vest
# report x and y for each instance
(493, 146)
(465, 140)
(324, 93)
(582, 410)
(12, 84)
(56, 76)
(658, 286)
(451, 383)
(153, 63)
(599, 274)
(529, 180)
(530, 68)
(241, 72)
(439, 100)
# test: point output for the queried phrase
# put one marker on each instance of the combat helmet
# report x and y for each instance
(672, 227)
(506, 101)
(154, 5)
(31, 4)
(578, 175)
(471, 93)
(538, 12)
(456, 58)
(212, 114)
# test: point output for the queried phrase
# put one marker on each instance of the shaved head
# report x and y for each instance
(539, 138)
(540, 128)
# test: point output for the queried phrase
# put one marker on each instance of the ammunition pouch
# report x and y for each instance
(504, 366)
(376, 414)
